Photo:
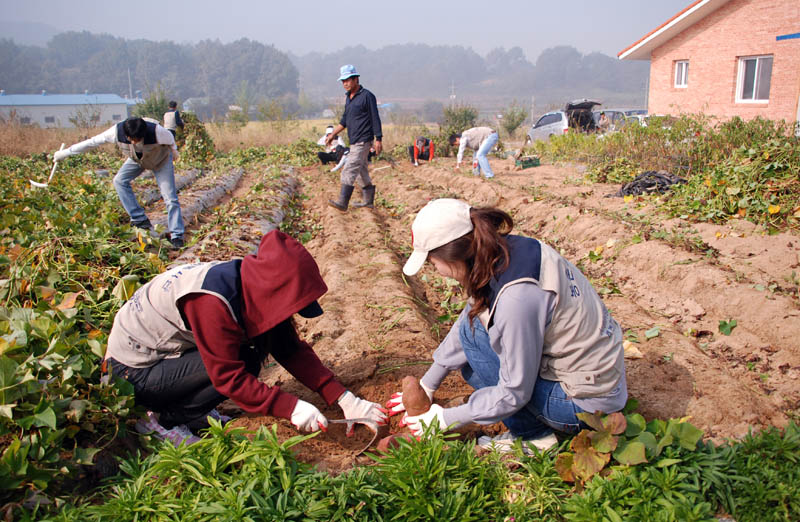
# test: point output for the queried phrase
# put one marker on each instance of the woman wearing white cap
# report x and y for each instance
(535, 340)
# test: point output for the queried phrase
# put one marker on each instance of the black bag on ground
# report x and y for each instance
(649, 182)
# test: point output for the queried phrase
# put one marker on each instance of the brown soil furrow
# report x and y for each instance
(664, 285)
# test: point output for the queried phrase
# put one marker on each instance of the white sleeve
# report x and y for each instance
(165, 137)
(109, 136)
(461, 147)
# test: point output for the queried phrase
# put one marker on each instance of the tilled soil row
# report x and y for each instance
(150, 195)
(204, 193)
(718, 380)
(373, 331)
(256, 214)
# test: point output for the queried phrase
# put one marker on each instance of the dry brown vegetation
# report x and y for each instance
(24, 140)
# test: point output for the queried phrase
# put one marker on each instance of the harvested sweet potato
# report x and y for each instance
(392, 441)
(415, 399)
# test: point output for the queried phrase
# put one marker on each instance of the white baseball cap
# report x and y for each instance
(438, 223)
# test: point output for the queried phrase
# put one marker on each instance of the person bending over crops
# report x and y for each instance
(481, 140)
(534, 340)
(199, 334)
(148, 146)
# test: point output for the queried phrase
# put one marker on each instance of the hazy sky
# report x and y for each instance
(302, 26)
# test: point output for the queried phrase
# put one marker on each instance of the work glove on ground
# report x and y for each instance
(417, 423)
(395, 403)
(356, 408)
(306, 417)
(61, 155)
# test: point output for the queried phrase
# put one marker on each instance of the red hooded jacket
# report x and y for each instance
(277, 282)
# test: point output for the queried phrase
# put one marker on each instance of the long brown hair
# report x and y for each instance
(484, 251)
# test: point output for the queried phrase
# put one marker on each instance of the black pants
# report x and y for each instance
(327, 157)
(179, 389)
(423, 154)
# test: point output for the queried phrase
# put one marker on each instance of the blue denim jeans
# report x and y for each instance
(165, 177)
(549, 408)
(483, 150)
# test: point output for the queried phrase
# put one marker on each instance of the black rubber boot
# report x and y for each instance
(368, 195)
(344, 198)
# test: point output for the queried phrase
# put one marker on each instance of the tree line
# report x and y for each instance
(222, 73)
(74, 62)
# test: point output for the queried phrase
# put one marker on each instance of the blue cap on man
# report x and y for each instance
(347, 71)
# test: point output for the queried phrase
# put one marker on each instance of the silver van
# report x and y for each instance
(576, 115)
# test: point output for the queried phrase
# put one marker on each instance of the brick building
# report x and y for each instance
(725, 58)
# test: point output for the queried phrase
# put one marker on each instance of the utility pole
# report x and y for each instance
(130, 85)
(533, 98)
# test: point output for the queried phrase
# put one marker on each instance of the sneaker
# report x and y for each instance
(505, 443)
(178, 435)
(177, 242)
(144, 225)
(214, 414)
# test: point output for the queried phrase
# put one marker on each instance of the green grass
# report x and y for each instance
(228, 476)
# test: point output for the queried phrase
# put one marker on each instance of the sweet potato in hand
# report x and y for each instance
(415, 399)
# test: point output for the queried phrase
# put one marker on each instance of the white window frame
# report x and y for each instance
(681, 74)
(740, 78)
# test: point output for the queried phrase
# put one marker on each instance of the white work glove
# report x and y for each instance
(417, 423)
(306, 417)
(395, 402)
(355, 408)
(62, 154)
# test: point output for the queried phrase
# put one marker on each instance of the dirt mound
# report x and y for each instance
(669, 283)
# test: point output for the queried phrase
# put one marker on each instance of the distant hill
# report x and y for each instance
(73, 62)
(419, 71)
(248, 72)
(27, 33)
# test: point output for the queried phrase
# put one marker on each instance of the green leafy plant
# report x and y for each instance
(626, 438)
(726, 327)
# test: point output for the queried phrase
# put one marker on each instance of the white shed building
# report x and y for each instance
(64, 110)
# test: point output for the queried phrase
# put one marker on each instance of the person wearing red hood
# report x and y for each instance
(198, 334)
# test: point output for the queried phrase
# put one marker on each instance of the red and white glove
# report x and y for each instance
(356, 408)
(417, 423)
(306, 417)
(395, 404)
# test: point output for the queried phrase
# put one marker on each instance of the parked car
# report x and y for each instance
(635, 112)
(635, 119)
(576, 115)
(616, 119)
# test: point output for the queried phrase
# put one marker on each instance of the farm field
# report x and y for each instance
(668, 282)
(711, 312)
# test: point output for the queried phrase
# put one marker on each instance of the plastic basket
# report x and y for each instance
(527, 161)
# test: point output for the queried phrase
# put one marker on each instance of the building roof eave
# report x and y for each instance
(693, 13)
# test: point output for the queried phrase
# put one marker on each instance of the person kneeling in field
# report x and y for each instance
(422, 149)
(199, 334)
(535, 340)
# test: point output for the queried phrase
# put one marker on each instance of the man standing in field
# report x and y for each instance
(148, 146)
(172, 119)
(363, 124)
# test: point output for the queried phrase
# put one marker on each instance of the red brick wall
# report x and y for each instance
(713, 47)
